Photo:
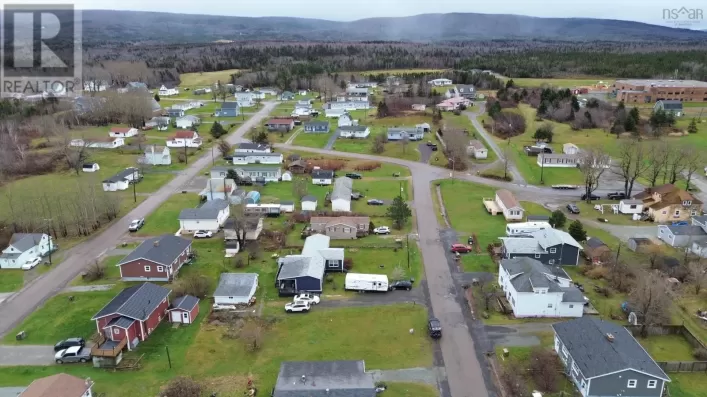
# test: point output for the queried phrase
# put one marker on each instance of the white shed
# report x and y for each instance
(287, 206)
(90, 167)
(287, 176)
(309, 203)
(341, 195)
(630, 206)
(235, 289)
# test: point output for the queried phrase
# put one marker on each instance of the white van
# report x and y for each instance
(366, 282)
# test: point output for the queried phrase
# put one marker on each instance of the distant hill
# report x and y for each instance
(121, 26)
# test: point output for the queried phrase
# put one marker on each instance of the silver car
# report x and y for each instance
(73, 354)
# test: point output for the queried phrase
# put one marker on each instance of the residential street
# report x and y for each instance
(21, 304)
(26, 355)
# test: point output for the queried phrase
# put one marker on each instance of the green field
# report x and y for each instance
(11, 279)
(166, 218)
(198, 79)
(667, 348)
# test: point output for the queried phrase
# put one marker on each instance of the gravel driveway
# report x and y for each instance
(26, 355)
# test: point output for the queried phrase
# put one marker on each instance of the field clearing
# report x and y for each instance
(165, 219)
(395, 71)
(11, 279)
(206, 78)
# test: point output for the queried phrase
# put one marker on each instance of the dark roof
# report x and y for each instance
(537, 218)
(593, 242)
(186, 302)
(120, 322)
(309, 198)
(322, 174)
(324, 378)
(317, 123)
(252, 146)
(229, 105)
(671, 104)
(209, 210)
(24, 241)
(162, 250)
(122, 175)
(355, 128)
(586, 340)
(527, 274)
(641, 240)
(287, 202)
(687, 230)
(236, 284)
(136, 302)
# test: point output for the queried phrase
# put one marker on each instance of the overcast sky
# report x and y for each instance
(650, 11)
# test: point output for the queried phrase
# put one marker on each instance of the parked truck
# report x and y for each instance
(366, 282)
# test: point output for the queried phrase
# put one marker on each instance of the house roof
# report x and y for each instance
(700, 219)
(322, 174)
(229, 105)
(324, 378)
(188, 117)
(298, 163)
(508, 199)
(280, 121)
(185, 302)
(547, 238)
(236, 284)
(557, 156)
(24, 241)
(184, 134)
(593, 242)
(631, 202)
(465, 88)
(122, 175)
(531, 218)
(293, 266)
(163, 250)
(311, 262)
(352, 221)
(59, 385)
(287, 202)
(317, 123)
(686, 230)
(121, 130)
(120, 322)
(343, 187)
(677, 196)
(476, 144)
(241, 153)
(586, 340)
(661, 189)
(671, 104)
(403, 130)
(136, 302)
(641, 240)
(174, 109)
(210, 210)
(309, 198)
(354, 128)
(521, 245)
(527, 274)
(252, 146)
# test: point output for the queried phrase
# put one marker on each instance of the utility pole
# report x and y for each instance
(407, 236)
(50, 239)
(452, 160)
(213, 162)
(542, 168)
(169, 359)
(134, 181)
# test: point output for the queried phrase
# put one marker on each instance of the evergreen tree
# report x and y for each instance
(217, 130)
(510, 83)
(630, 124)
(576, 230)
(558, 219)
(382, 110)
(399, 212)
(692, 128)
(635, 115)
(575, 104)
(542, 108)
(157, 97)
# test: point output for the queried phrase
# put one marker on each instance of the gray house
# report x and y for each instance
(549, 246)
(228, 109)
(316, 127)
(603, 359)
(466, 91)
(672, 106)
(175, 112)
(412, 133)
(681, 236)
(324, 378)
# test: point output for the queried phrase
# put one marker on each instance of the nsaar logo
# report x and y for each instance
(683, 17)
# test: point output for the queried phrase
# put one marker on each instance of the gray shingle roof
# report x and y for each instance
(536, 218)
(293, 266)
(236, 284)
(343, 186)
(324, 378)
(251, 146)
(521, 245)
(24, 241)
(135, 302)
(186, 302)
(551, 237)
(209, 210)
(309, 198)
(122, 175)
(585, 339)
(322, 174)
(317, 124)
(242, 153)
(593, 242)
(162, 250)
(355, 128)
(120, 322)
(229, 105)
(687, 230)
(528, 273)
(700, 219)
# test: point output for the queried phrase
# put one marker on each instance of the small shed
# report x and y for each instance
(235, 288)
(287, 176)
(184, 310)
(253, 197)
(287, 206)
(90, 167)
(309, 203)
(639, 244)
(630, 206)
(596, 251)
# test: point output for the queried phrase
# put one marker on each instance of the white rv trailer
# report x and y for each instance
(525, 228)
(366, 282)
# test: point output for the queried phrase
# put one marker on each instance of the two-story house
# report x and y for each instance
(467, 91)
(537, 290)
(245, 99)
(25, 247)
(211, 216)
(156, 259)
(549, 246)
(668, 203)
(602, 358)
(228, 109)
(168, 91)
(257, 158)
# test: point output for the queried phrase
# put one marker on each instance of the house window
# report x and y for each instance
(147, 268)
(584, 384)
(553, 250)
(632, 383)
(677, 213)
(571, 306)
(537, 256)
(549, 305)
(160, 268)
(652, 384)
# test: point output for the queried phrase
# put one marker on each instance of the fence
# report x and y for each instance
(690, 338)
(683, 366)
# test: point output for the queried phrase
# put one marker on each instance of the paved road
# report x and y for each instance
(17, 307)
(26, 355)
(332, 140)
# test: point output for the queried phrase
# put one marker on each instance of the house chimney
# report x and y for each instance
(609, 336)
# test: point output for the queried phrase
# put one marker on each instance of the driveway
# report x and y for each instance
(416, 296)
(20, 305)
(425, 152)
(26, 355)
(517, 335)
(332, 140)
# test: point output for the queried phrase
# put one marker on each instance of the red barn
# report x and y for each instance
(156, 259)
(184, 309)
(133, 314)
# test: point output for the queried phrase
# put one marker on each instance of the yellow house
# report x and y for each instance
(668, 203)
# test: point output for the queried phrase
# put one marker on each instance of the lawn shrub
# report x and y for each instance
(183, 387)
(193, 284)
(94, 272)
(367, 166)
(598, 272)
(348, 264)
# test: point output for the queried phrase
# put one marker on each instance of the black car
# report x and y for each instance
(434, 148)
(354, 175)
(65, 344)
(573, 209)
(592, 197)
(616, 196)
(434, 328)
(228, 158)
(400, 284)
(375, 202)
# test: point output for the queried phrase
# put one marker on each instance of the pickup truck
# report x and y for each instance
(74, 354)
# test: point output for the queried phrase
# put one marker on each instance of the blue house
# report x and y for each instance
(287, 96)
(171, 112)
(316, 127)
(305, 272)
(228, 109)
(399, 133)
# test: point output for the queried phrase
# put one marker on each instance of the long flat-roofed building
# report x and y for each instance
(649, 91)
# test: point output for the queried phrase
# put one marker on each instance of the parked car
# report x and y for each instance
(382, 230)
(573, 209)
(136, 224)
(375, 202)
(461, 248)
(228, 158)
(680, 223)
(203, 234)
(354, 175)
(429, 143)
(71, 342)
(434, 148)
(308, 298)
(616, 196)
(434, 328)
(356, 195)
(297, 307)
(30, 264)
(400, 284)
(592, 197)
(74, 354)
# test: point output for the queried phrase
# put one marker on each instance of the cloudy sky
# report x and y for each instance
(650, 11)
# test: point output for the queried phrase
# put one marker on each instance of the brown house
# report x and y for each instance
(340, 227)
(156, 259)
(59, 385)
(648, 91)
(297, 167)
(596, 251)
(668, 203)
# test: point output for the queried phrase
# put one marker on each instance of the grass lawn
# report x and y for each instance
(206, 78)
(688, 385)
(587, 211)
(605, 306)
(369, 261)
(688, 304)
(472, 262)
(165, 219)
(667, 347)
(112, 272)
(11, 279)
(385, 169)
(410, 390)
(311, 140)
(59, 318)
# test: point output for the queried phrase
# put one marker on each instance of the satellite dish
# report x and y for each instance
(632, 318)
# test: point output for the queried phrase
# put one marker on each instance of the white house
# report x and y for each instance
(257, 94)
(511, 208)
(341, 194)
(245, 99)
(345, 120)
(25, 247)
(120, 132)
(322, 177)
(287, 206)
(256, 158)
(268, 90)
(420, 107)
(477, 149)
(235, 289)
(347, 105)
(121, 180)
(309, 203)
(357, 131)
(184, 138)
(570, 148)
(221, 188)
(333, 113)
(90, 167)
(187, 121)
(184, 105)
(156, 155)
(168, 91)
(210, 217)
(302, 111)
(630, 206)
(440, 82)
(107, 143)
(537, 290)
(248, 147)
(259, 172)
(557, 160)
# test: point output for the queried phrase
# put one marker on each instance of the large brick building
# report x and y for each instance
(648, 91)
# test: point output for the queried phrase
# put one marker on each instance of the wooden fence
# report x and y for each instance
(683, 366)
(690, 338)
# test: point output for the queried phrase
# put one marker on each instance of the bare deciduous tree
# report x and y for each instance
(224, 148)
(698, 274)
(657, 158)
(192, 284)
(513, 381)
(674, 164)
(592, 163)
(76, 156)
(650, 299)
(456, 143)
(632, 163)
(693, 160)
(252, 334)
(545, 369)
